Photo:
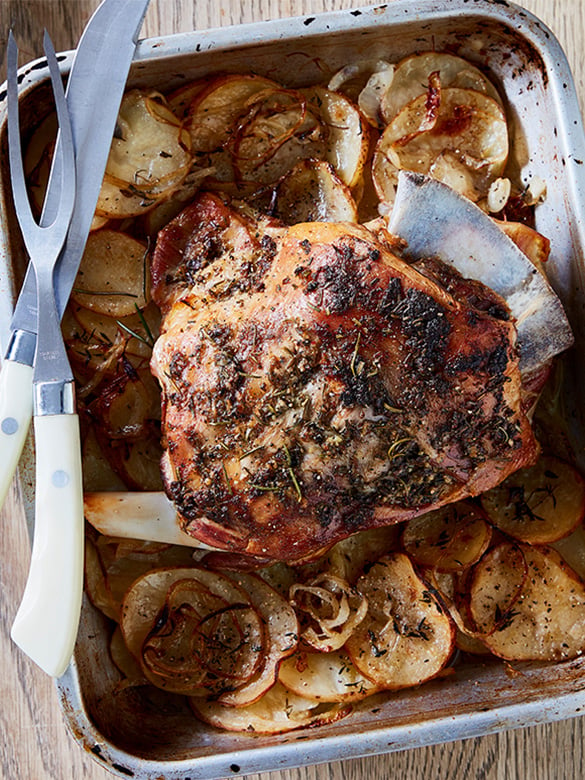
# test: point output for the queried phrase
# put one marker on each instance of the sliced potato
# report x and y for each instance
(325, 677)
(280, 128)
(277, 712)
(528, 604)
(282, 630)
(312, 192)
(468, 125)
(450, 539)
(214, 117)
(348, 135)
(120, 566)
(203, 614)
(411, 76)
(112, 278)
(148, 159)
(352, 78)
(539, 504)
(452, 588)
(406, 637)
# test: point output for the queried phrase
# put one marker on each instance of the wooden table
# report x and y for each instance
(34, 744)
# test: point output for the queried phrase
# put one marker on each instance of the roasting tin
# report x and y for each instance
(143, 735)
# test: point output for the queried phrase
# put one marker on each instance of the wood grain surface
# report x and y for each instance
(34, 742)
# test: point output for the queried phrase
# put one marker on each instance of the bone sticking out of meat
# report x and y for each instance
(315, 384)
(435, 221)
(149, 516)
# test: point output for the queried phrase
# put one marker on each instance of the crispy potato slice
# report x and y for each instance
(113, 275)
(348, 135)
(539, 504)
(282, 630)
(120, 565)
(467, 125)
(206, 616)
(453, 590)
(281, 127)
(277, 712)
(312, 192)
(411, 76)
(214, 117)
(528, 603)
(450, 539)
(325, 677)
(148, 159)
(406, 637)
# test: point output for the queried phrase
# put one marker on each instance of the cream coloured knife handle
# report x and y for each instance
(45, 627)
(16, 405)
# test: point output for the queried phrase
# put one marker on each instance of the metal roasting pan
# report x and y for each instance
(143, 735)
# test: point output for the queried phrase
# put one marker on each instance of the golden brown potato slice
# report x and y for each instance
(193, 631)
(528, 603)
(406, 637)
(113, 275)
(277, 712)
(149, 157)
(214, 117)
(325, 677)
(466, 130)
(450, 539)
(539, 504)
(411, 77)
(347, 134)
(312, 192)
(282, 629)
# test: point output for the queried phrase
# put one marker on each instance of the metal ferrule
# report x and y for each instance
(21, 347)
(54, 397)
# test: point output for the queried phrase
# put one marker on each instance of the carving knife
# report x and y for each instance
(94, 91)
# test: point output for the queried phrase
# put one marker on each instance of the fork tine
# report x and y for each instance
(20, 195)
(67, 190)
(65, 195)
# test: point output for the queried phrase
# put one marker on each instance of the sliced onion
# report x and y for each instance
(330, 608)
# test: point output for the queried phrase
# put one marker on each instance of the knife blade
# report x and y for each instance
(94, 92)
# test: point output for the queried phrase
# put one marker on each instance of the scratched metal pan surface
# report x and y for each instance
(136, 733)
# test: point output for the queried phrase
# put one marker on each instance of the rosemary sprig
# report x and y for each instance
(292, 474)
(144, 323)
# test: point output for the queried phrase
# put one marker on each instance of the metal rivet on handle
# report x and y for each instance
(60, 478)
(9, 426)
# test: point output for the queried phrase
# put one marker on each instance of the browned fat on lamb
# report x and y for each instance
(314, 384)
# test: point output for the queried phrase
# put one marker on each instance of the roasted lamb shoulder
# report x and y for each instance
(314, 384)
